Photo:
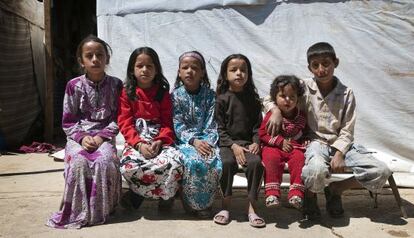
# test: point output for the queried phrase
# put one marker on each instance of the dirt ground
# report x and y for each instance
(31, 187)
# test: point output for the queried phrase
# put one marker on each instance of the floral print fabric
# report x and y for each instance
(194, 119)
(151, 178)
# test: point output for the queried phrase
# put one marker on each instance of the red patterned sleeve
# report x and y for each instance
(265, 138)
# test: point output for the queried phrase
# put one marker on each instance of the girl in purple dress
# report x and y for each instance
(92, 177)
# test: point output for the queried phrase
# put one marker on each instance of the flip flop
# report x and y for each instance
(224, 214)
(253, 218)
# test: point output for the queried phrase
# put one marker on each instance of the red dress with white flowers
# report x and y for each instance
(145, 120)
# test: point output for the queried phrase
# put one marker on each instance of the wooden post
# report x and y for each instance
(48, 127)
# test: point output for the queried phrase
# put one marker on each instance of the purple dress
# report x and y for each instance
(92, 180)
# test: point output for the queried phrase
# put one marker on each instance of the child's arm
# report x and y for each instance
(126, 120)
(265, 138)
(183, 133)
(274, 123)
(112, 129)
(210, 133)
(71, 113)
(166, 134)
(220, 116)
(346, 134)
(255, 146)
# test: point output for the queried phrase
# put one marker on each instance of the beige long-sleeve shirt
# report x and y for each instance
(331, 119)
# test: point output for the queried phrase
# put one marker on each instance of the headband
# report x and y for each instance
(194, 55)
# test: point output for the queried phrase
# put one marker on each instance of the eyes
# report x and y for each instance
(325, 63)
(147, 66)
(90, 55)
(234, 69)
(194, 67)
(287, 97)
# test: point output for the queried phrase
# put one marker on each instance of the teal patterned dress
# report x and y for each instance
(194, 118)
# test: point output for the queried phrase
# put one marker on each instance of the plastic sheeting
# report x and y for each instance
(374, 41)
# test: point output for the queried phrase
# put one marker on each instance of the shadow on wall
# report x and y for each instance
(257, 14)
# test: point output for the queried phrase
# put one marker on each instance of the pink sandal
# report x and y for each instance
(256, 221)
(222, 218)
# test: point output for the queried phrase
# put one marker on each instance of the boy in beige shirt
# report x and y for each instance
(330, 109)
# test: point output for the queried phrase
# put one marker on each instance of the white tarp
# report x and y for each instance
(374, 41)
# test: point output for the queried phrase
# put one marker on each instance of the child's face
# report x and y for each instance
(237, 73)
(144, 70)
(190, 73)
(323, 67)
(287, 99)
(93, 60)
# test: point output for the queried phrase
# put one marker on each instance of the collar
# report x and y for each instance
(313, 87)
(92, 83)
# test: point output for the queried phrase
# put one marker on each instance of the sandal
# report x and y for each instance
(256, 221)
(272, 201)
(222, 218)
(333, 203)
(296, 202)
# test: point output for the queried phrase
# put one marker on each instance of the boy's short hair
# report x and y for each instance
(283, 80)
(320, 48)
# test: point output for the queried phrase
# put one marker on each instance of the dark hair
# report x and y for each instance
(131, 82)
(320, 48)
(281, 81)
(205, 80)
(93, 38)
(223, 83)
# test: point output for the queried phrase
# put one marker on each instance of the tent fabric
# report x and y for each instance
(19, 98)
(374, 42)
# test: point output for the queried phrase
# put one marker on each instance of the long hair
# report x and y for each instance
(131, 82)
(197, 55)
(223, 83)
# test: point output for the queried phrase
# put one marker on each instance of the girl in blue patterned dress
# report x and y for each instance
(196, 131)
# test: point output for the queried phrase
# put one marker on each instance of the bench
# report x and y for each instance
(241, 182)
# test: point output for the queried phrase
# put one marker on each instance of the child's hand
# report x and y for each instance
(306, 142)
(287, 146)
(145, 150)
(274, 122)
(203, 147)
(98, 140)
(254, 148)
(155, 147)
(338, 163)
(238, 152)
(89, 144)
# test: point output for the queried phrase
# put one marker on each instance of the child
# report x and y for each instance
(238, 115)
(92, 178)
(196, 131)
(330, 111)
(285, 147)
(149, 163)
